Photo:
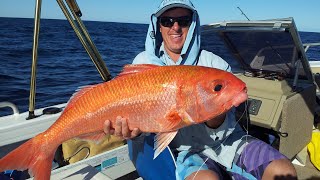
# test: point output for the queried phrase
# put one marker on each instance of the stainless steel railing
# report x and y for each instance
(73, 13)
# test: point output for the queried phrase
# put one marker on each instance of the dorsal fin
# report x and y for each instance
(136, 68)
(79, 93)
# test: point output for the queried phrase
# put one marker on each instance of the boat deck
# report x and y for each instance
(308, 171)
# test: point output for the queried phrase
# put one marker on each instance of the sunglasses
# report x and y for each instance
(183, 21)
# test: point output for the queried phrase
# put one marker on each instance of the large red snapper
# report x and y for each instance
(160, 99)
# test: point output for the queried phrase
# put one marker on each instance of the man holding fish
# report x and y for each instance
(205, 150)
(190, 107)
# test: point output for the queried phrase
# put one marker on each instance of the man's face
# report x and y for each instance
(175, 36)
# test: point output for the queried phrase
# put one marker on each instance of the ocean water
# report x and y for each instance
(64, 66)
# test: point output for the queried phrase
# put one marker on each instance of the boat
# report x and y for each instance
(282, 84)
(283, 88)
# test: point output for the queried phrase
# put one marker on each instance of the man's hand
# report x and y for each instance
(121, 129)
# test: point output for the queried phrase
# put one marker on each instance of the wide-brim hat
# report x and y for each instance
(168, 4)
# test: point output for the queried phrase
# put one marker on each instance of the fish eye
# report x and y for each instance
(218, 87)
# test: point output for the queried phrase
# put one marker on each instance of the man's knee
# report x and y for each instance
(203, 175)
(280, 169)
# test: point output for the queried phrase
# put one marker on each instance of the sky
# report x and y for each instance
(305, 13)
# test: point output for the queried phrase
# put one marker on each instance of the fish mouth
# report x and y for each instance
(238, 99)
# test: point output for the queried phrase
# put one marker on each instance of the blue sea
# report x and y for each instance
(63, 64)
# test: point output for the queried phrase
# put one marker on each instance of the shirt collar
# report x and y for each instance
(164, 56)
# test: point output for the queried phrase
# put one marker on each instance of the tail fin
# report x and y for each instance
(32, 156)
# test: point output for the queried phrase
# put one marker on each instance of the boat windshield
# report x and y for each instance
(263, 48)
(265, 51)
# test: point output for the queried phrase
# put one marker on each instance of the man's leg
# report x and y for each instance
(203, 175)
(192, 166)
(280, 169)
(264, 162)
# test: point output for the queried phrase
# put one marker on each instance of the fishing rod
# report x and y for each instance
(242, 13)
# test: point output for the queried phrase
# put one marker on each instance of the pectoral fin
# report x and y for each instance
(175, 118)
(162, 140)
